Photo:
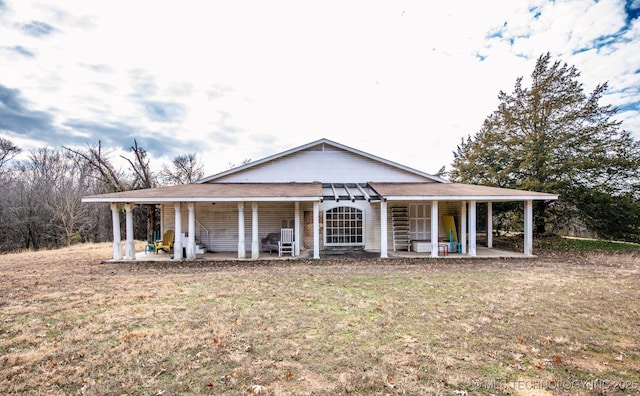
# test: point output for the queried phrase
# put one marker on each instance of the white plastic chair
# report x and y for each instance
(286, 243)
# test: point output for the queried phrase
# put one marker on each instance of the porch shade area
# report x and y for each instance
(245, 195)
(468, 195)
(379, 200)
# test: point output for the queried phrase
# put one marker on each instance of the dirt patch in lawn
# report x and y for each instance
(557, 324)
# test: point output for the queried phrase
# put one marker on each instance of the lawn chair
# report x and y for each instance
(270, 242)
(151, 247)
(166, 243)
(286, 243)
(454, 246)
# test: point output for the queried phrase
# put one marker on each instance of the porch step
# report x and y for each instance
(200, 247)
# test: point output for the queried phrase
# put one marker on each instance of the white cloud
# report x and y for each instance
(244, 79)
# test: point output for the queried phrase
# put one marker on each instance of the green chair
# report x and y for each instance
(454, 246)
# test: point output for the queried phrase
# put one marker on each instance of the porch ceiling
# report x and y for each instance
(232, 192)
(454, 192)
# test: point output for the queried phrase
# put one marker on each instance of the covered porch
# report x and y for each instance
(460, 201)
(237, 229)
(248, 211)
(482, 253)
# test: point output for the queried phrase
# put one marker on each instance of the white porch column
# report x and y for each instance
(115, 217)
(316, 230)
(177, 243)
(383, 229)
(130, 246)
(462, 238)
(191, 243)
(528, 228)
(296, 227)
(255, 238)
(241, 250)
(490, 224)
(434, 228)
(472, 228)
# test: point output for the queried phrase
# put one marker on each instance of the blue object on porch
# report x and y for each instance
(150, 248)
(454, 247)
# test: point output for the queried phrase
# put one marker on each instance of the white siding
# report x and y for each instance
(373, 228)
(221, 220)
(330, 166)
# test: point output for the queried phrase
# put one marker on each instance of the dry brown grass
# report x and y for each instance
(558, 324)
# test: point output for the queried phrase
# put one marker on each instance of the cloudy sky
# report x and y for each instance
(231, 80)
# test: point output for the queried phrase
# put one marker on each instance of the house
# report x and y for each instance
(331, 195)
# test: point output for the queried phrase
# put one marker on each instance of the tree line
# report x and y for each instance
(42, 194)
(550, 137)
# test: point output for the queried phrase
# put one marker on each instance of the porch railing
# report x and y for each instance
(200, 230)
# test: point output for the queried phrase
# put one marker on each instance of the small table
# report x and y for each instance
(150, 248)
(421, 246)
(443, 248)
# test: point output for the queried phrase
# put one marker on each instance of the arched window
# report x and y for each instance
(344, 226)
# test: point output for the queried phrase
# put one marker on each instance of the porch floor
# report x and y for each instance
(481, 253)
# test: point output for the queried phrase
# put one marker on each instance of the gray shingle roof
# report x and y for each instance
(217, 192)
(240, 192)
(454, 191)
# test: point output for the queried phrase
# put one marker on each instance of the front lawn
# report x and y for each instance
(557, 324)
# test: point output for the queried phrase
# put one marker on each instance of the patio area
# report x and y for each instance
(481, 253)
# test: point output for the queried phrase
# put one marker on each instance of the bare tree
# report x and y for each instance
(8, 183)
(184, 169)
(245, 161)
(70, 217)
(98, 160)
(144, 178)
(31, 214)
(8, 151)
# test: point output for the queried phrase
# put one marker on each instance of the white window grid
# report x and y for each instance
(344, 226)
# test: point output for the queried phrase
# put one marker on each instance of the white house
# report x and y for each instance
(331, 195)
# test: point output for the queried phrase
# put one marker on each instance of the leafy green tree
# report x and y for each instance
(552, 137)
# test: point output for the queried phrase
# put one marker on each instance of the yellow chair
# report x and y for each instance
(166, 243)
